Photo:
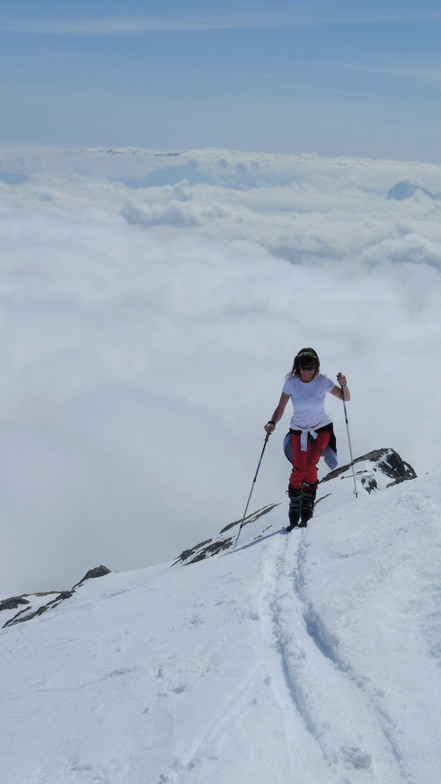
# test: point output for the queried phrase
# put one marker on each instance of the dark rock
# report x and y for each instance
(211, 547)
(387, 460)
(23, 615)
(98, 571)
(369, 483)
(186, 554)
(13, 603)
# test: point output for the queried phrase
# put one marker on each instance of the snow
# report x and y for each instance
(312, 657)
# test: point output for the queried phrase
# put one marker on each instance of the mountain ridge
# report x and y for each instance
(309, 657)
(385, 461)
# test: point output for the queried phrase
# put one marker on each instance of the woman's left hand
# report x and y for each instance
(341, 378)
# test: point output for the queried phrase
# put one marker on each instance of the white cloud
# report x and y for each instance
(415, 70)
(300, 14)
(140, 360)
(188, 21)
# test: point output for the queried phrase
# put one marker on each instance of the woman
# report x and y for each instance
(311, 429)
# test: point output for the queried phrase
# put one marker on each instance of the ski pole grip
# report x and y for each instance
(342, 386)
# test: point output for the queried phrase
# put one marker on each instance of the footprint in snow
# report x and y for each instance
(356, 756)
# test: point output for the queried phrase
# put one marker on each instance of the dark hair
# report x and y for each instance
(307, 353)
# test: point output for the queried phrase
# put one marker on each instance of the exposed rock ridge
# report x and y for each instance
(27, 601)
(213, 546)
(387, 461)
(371, 470)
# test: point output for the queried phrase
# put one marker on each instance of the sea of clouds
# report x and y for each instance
(151, 304)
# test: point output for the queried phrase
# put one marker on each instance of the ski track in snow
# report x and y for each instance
(261, 665)
(318, 682)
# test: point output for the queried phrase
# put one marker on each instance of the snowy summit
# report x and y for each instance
(310, 657)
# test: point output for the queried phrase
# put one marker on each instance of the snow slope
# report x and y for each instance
(312, 657)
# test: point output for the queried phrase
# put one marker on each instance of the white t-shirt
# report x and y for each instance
(308, 401)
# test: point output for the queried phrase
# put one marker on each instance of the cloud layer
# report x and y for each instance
(151, 305)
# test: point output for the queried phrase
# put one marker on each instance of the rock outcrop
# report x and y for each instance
(379, 461)
(373, 471)
(33, 605)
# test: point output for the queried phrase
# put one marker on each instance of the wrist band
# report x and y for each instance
(271, 422)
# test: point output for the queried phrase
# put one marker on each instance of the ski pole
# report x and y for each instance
(252, 488)
(349, 437)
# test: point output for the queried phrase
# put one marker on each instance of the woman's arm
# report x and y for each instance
(342, 389)
(278, 413)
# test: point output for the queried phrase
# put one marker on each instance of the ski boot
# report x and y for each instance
(295, 500)
(308, 499)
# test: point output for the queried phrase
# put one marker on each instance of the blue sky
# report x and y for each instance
(356, 77)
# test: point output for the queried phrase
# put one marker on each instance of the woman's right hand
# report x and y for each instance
(270, 426)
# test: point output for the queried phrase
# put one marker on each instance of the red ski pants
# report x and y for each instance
(304, 464)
